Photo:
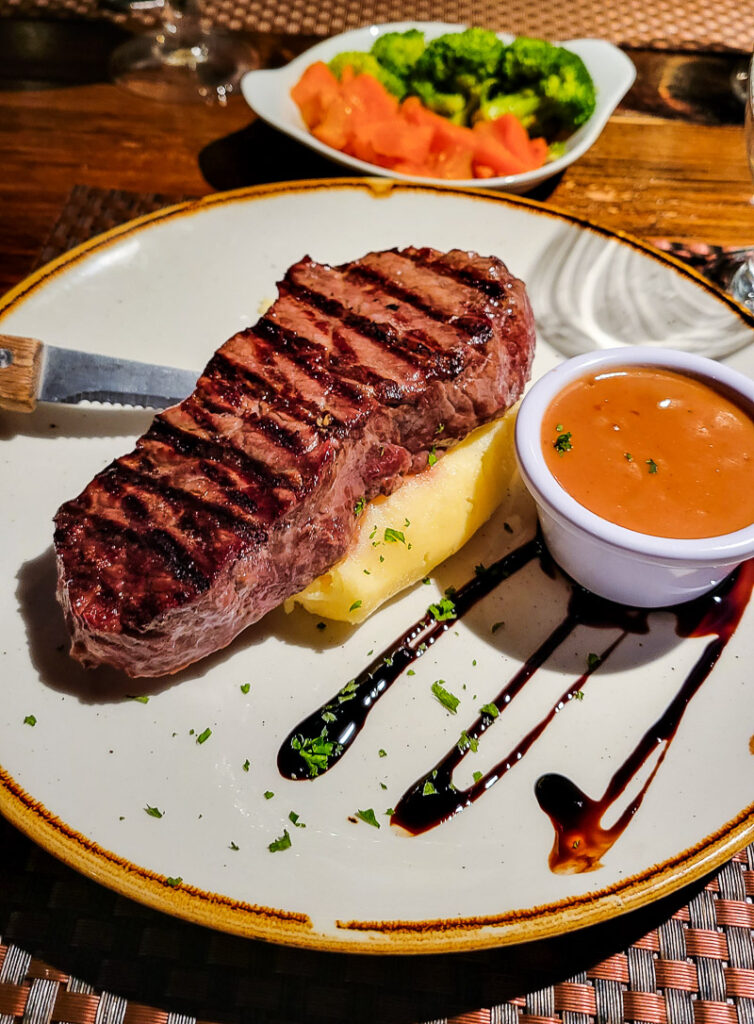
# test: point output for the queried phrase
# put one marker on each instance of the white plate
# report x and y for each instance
(172, 287)
(268, 93)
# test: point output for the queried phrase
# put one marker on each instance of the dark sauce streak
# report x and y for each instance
(580, 839)
(322, 739)
(318, 743)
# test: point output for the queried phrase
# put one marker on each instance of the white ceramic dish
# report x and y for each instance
(616, 563)
(173, 286)
(268, 94)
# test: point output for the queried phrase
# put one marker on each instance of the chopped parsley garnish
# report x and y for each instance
(467, 742)
(234, 846)
(390, 812)
(246, 765)
(245, 687)
(432, 456)
(204, 736)
(153, 812)
(440, 428)
(327, 716)
(173, 882)
(359, 506)
(480, 570)
(592, 660)
(411, 672)
(316, 751)
(562, 443)
(382, 753)
(489, 709)
(369, 817)
(429, 788)
(445, 697)
(281, 843)
(628, 456)
(477, 776)
(652, 465)
(442, 611)
(296, 820)
(30, 720)
(268, 794)
(348, 692)
(141, 698)
(579, 695)
(394, 536)
(354, 606)
(426, 581)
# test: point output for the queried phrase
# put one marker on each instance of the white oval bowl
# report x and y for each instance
(610, 560)
(268, 93)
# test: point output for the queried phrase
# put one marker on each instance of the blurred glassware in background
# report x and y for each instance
(181, 61)
(742, 283)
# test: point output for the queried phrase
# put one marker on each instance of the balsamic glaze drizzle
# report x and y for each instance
(580, 840)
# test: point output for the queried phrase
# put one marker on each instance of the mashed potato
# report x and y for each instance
(404, 536)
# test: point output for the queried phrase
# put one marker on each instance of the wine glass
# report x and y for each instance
(742, 282)
(181, 61)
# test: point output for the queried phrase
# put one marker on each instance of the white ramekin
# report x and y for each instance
(612, 561)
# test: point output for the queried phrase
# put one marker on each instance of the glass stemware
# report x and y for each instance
(742, 282)
(181, 61)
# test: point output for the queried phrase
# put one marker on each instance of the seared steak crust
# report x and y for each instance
(245, 492)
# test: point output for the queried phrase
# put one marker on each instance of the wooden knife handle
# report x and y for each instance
(20, 372)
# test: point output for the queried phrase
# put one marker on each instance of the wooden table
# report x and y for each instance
(62, 124)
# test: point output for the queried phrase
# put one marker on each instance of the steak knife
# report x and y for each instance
(32, 372)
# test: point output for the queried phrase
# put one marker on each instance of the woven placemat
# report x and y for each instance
(72, 951)
(689, 25)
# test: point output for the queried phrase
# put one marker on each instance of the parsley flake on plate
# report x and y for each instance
(204, 736)
(445, 697)
(30, 720)
(153, 812)
(281, 843)
(369, 817)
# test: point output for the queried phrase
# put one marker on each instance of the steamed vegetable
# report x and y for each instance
(473, 76)
(358, 116)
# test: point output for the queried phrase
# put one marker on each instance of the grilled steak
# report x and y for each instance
(245, 492)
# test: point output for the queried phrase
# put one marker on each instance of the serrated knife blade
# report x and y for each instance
(32, 372)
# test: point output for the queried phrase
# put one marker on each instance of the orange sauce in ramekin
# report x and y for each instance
(654, 451)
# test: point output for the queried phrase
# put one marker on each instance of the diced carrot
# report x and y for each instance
(357, 115)
(334, 129)
(314, 92)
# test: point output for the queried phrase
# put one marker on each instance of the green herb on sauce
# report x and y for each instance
(429, 788)
(467, 742)
(316, 751)
(563, 443)
(489, 709)
(442, 611)
(652, 465)
(628, 456)
(592, 660)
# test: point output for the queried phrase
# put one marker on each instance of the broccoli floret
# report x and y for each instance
(459, 61)
(452, 105)
(399, 51)
(547, 87)
(366, 63)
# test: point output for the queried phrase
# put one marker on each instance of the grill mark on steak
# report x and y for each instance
(414, 351)
(409, 296)
(157, 541)
(209, 515)
(488, 286)
(222, 370)
(184, 442)
(245, 492)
